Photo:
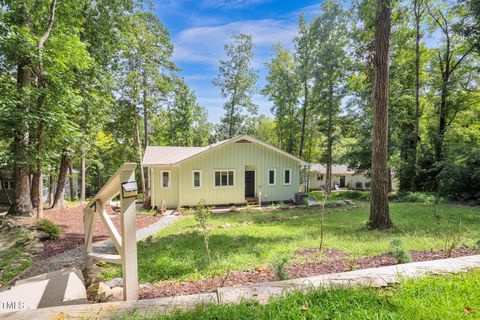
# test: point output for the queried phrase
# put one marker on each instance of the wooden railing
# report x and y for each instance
(121, 183)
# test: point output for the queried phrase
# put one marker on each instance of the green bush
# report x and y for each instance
(278, 268)
(50, 228)
(398, 251)
(418, 197)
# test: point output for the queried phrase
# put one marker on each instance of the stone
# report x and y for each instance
(145, 286)
(114, 283)
(116, 294)
(98, 292)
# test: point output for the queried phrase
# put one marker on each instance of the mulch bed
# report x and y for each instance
(307, 262)
(70, 220)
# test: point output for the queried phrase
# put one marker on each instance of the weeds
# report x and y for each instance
(201, 213)
(52, 231)
(398, 251)
(278, 268)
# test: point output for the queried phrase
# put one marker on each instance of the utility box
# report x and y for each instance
(300, 198)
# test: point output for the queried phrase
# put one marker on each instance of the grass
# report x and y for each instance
(433, 297)
(244, 241)
(12, 255)
(336, 196)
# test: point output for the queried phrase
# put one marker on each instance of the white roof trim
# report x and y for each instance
(228, 141)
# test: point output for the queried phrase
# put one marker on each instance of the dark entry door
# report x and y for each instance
(342, 181)
(250, 184)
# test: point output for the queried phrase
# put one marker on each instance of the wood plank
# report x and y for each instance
(112, 231)
(113, 258)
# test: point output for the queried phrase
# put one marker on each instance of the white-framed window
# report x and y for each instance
(224, 178)
(272, 177)
(165, 179)
(319, 176)
(196, 178)
(287, 176)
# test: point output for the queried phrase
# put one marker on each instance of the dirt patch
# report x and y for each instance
(70, 220)
(307, 262)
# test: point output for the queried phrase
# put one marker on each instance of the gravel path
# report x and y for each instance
(76, 257)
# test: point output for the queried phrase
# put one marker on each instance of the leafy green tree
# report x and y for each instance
(304, 61)
(330, 62)
(237, 82)
(282, 89)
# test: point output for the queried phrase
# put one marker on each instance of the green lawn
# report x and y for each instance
(249, 240)
(434, 297)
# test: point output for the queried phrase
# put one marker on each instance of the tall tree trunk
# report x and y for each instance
(304, 118)
(50, 189)
(58, 200)
(82, 178)
(379, 210)
(139, 150)
(22, 201)
(145, 124)
(36, 191)
(40, 193)
(418, 16)
(70, 180)
(442, 119)
(329, 147)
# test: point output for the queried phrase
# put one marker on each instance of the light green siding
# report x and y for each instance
(170, 195)
(233, 156)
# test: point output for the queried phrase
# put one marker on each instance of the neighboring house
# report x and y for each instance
(232, 171)
(341, 176)
(7, 187)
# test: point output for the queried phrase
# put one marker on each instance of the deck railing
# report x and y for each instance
(121, 183)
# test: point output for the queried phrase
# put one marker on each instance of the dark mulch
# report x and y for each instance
(70, 220)
(306, 262)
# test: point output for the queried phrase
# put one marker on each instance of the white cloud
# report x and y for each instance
(230, 3)
(206, 44)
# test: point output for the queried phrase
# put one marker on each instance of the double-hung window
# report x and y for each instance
(224, 178)
(287, 176)
(165, 179)
(196, 178)
(272, 179)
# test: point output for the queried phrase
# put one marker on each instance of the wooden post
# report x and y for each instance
(129, 241)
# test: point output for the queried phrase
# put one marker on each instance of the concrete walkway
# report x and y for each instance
(76, 257)
(262, 292)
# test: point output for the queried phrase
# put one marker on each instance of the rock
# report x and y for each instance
(92, 274)
(114, 283)
(98, 292)
(145, 286)
(116, 294)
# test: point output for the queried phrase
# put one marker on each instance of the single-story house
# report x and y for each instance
(341, 176)
(233, 171)
(7, 187)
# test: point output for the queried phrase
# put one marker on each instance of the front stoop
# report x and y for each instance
(262, 292)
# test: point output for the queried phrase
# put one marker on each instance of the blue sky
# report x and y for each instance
(199, 29)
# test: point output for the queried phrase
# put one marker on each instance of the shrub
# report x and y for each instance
(418, 197)
(201, 213)
(398, 251)
(278, 268)
(47, 226)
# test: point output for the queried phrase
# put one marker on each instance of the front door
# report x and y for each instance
(249, 184)
(342, 181)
